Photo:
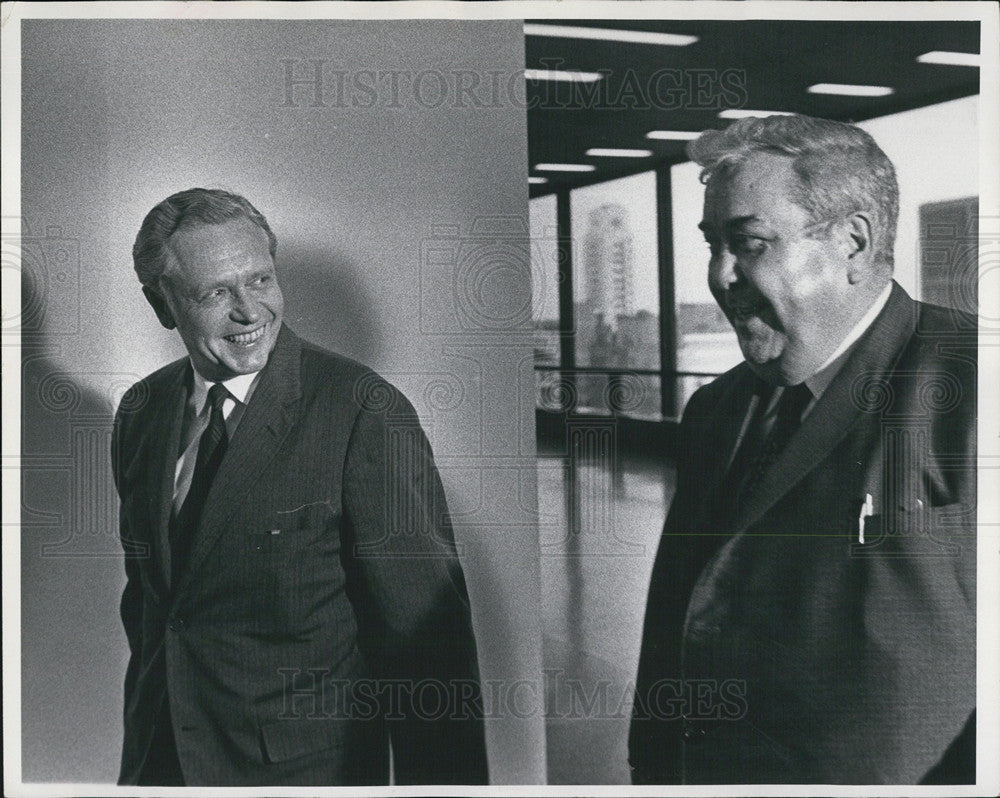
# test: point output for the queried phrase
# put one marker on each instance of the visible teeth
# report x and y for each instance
(246, 338)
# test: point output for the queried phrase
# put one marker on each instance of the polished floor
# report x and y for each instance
(601, 517)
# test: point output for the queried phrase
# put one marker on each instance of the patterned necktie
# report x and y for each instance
(211, 449)
(760, 450)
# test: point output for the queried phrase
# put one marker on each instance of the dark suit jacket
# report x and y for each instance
(322, 606)
(778, 649)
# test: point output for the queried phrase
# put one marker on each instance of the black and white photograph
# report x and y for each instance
(463, 398)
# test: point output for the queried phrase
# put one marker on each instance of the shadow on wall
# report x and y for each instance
(327, 301)
(73, 647)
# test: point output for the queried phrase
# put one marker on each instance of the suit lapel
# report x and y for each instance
(269, 417)
(162, 440)
(837, 409)
(726, 433)
(732, 429)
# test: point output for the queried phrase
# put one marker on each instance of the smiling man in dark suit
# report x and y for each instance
(811, 613)
(293, 598)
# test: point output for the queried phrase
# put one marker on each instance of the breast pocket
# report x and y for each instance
(286, 531)
(294, 565)
(916, 530)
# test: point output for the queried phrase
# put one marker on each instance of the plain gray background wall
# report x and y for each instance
(401, 216)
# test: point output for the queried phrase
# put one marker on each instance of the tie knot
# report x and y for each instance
(217, 394)
(794, 400)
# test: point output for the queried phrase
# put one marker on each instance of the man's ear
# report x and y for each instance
(160, 306)
(857, 240)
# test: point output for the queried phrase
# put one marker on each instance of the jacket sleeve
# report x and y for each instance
(654, 741)
(131, 600)
(410, 599)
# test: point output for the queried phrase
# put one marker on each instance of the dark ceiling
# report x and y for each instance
(756, 64)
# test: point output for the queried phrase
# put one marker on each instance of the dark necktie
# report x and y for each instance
(211, 448)
(760, 449)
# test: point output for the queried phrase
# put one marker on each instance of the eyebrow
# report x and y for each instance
(735, 222)
(205, 289)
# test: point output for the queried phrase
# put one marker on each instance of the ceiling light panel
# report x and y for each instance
(609, 34)
(851, 90)
(948, 58)
(563, 75)
(564, 167)
(742, 113)
(608, 152)
(673, 135)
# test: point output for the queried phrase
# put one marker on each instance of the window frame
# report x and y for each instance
(668, 372)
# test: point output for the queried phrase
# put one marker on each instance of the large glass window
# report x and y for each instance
(551, 392)
(616, 296)
(613, 360)
(706, 343)
(544, 278)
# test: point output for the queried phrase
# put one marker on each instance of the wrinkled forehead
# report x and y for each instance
(760, 182)
(209, 249)
(762, 167)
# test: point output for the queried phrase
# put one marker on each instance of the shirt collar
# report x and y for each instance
(240, 387)
(821, 380)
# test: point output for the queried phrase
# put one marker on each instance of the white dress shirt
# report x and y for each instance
(197, 413)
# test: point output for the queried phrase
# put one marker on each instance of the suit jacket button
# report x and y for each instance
(175, 623)
(693, 733)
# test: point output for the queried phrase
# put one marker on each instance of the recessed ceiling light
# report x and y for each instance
(948, 58)
(851, 90)
(742, 113)
(607, 152)
(538, 180)
(673, 135)
(564, 167)
(609, 34)
(562, 74)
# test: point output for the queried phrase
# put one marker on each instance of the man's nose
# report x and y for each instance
(722, 269)
(246, 309)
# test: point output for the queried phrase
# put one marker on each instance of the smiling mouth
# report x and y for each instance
(742, 310)
(246, 339)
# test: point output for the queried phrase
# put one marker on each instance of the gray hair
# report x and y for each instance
(191, 207)
(840, 168)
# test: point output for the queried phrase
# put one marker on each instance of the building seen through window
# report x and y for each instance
(616, 296)
(614, 330)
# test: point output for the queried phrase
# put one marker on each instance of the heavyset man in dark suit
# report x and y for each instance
(811, 613)
(294, 598)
